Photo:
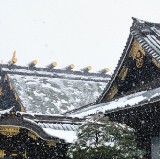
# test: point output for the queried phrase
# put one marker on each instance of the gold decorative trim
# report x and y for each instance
(13, 113)
(139, 62)
(25, 154)
(157, 63)
(2, 153)
(135, 48)
(16, 96)
(123, 73)
(9, 131)
(137, 53)
(32, 135)
(51, 143)
(15, 153)
(113, 91)
(1, 91)
(10, 85)
(21, 107)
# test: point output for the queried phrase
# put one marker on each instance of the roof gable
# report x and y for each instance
(52, 91)
(138, 67)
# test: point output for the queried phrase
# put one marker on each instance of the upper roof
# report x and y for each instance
(147, 35)
(138, 70)
(53, 91)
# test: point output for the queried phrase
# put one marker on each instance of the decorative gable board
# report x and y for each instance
(8, 96)
(138, 68)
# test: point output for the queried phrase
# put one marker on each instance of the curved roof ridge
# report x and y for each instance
(140, 21)
(16, 68)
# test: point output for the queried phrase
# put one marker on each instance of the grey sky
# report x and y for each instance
(83, 32)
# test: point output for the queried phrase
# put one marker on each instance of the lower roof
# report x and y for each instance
(54, 91)
(48, 127)
(130, 101)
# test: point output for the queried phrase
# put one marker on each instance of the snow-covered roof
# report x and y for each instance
(54, 91)
(57, 126)
(147, 34)
(130, 101)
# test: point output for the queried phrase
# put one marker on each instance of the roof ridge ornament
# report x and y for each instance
(69, 67)
(144, 27)
(14, 59)
(87, 69)
(33, 63)
(52, 65)
(104, 70)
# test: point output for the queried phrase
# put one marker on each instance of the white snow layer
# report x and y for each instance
(54, 95)
(68, 136)
(63, 75)
(129, 100)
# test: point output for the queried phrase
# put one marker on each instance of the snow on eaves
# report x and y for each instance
(123, 102)
(98, 77)
(6, 111)
(68, 136)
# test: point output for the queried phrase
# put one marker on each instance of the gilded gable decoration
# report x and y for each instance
(157, 63)
(113, 91)
(137, 53)
(139, 59)
(135, 48)
(123, 73)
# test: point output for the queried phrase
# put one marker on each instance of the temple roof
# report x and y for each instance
(126, 102)
(148, 37)
(58, 126)
(47, 127)
(147, 34)
(54, 91)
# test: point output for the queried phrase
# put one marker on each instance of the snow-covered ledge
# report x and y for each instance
(68, 136)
